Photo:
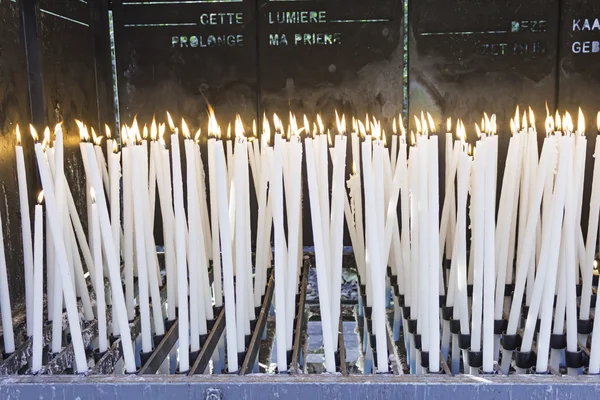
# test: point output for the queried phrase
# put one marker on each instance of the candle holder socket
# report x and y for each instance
(368, 311)
(179, 372)
(470, 290)
(578, 289)
(210, 323)
(193, 355)
(447, 312)
(257, 310)
(338, 363)
(203, 339)
(442, 300)
(363, 289)
(500, 326)
(253, 324)
(401, 300)
(241, 355)
(412, 326)
(475, 359)
(397, 293)
(455, 326)
(595, 279)
(247, 340)
(525, 359)
(509, 288)
(144, 357)
(369, 325)
(406, 312)
(393, 280)
(425, 359)
(510, 342)
(585, 326)
(217, 310)
(464, 341)
(157, 339)
(558, 341)
(593, 300)
(418, 341)
(98, 355)
(575, 359)
(373, 340)
(169, 324)
(389, 271)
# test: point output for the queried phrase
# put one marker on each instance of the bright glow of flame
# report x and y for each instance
(517, 120)
(531, 118)
(367, 122)
(18, 132)
(449, 124)
(92, 194)
(161, 132)
(185, 130)
(361, 128)
(567, 123)
(266, 132)
(97, 139)
(306, 125)
(549, 125)
(107, 131)
(580, 122)
(213, 127)
(524, 121)
(239, 127)
(417, 125)
(254, 132)
(340, 123)
(431, 123)
(401, 124)
(153, 130)
(197, 135)
(478, 131)
(115, 148)
(354, 125)
(493, 127)
(277, 124)
(145, 132)
(329, 137)
(320, 124)
(512, 126)
(124, 136)
(376, 131)
(598, 121)
(486, 125)
(170, 121)
(293, 128)
(84, 136)
(40, 197)
(394, 129)
(424, 126)
(47, 135)
(557, 122)
(413, 141)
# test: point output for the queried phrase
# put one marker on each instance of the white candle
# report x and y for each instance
(7, 326)
(434, 257)
(99, 278)
(38, 289)
(226, 250)
(214, 220)
(128, 231)
(118, 299)
(478, 242)
(320, 256)
(61, 258)
(25, 233)
(169, 235)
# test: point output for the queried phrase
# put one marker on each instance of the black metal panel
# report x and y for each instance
(69, 83)
(318, 55)
(177, 55)
(14, 109)
(579, 77)
(470, 56)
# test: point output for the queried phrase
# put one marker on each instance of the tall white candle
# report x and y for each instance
(478, 242)
(128, 228)
(61, 258)
(99, 278)
(434, 258)
(214, 224)
(38, 288)
(25, 232)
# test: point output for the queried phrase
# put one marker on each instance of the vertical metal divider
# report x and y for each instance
(297, 346)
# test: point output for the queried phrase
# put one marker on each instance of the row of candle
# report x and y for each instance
(414, 245)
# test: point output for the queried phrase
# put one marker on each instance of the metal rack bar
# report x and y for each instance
(161, 351)
(201, 362)
(258, 330)
(299, 318)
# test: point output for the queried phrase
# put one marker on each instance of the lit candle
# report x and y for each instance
(434, 258)
(180, 243)
(99, 277)
(128, 223)
(38, 288)
(61, 262)
(214, 212)
(25, 232)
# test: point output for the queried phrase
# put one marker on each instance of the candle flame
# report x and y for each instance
(84, 136)
(549, 125)
(184, 129)
(18, 133)
(557, 122)
(517, 119)
(598, 121)
(40, 197)
(524, 121)
(449, 124)
(97, 139)
(478, 131)
(394, 130)
(354, 125)
(197, 135)
(417, 125)
(567, 123)
(547, 109)
(306, 125)
(412, 138)
(107, 131)
(320, 124)
(531, 118)
(376, 131)
(124, 136)
(161, 132)
(486, 124)
(47, 135)
(361, 128)
(512, 126)
(92, 195)
(254, 132)
(266, 132)
(580, 122)
(170, 121)
(431, 123)
(115, 148)
(213, 127)
(153, 130)
(367, 122)
(401, 124)
(424, 125)
(494, 126)
(239, 127)
(135, 126)
(340, 123)
(145, 132)
(293, 127)
(329, 138)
